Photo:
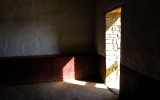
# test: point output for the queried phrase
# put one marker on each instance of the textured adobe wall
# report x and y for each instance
(44, 27)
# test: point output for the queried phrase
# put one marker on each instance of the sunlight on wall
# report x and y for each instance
(69, 70)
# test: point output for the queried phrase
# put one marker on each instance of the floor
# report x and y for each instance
(68, 90)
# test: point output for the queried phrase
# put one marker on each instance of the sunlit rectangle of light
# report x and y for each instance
(73, 81)
(99, 85)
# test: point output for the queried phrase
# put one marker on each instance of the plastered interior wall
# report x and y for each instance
(140, 34)
(44, 27)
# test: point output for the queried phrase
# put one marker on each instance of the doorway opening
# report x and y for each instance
(113, 39)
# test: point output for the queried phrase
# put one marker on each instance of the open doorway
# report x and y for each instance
(113, 38)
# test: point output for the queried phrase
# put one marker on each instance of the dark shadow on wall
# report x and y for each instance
(101, 67)
(86, 68)
(135, 86)
(75, 27)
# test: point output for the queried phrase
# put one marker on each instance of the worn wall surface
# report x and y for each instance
(139, 43)
(44, 27)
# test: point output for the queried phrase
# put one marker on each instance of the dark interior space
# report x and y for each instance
(43, 43)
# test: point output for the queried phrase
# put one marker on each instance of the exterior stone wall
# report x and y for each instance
(113, 33)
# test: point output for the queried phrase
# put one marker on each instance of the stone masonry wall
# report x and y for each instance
(113, 30)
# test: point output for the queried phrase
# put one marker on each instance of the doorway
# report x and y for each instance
(113, 39)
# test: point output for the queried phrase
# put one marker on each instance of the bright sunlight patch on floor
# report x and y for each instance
(73, 81)
(84, 83)
(100, 85)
